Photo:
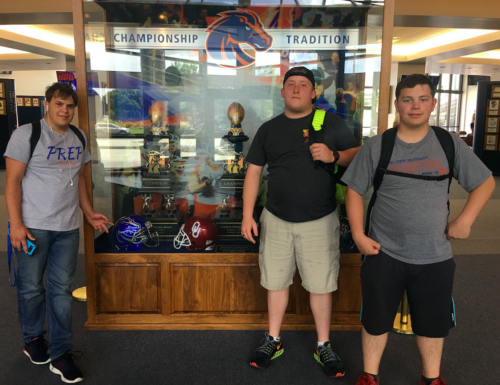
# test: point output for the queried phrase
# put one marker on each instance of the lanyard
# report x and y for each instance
(9, 256)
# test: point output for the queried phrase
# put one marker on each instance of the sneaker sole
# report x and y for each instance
(326, 371)
(64, 379)
(276, 355)
(35, 362)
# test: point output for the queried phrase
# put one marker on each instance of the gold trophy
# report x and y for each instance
(157, 178)
(233, 178)
(157, 114)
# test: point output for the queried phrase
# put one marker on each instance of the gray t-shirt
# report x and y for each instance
(410, 216)
(49, 202)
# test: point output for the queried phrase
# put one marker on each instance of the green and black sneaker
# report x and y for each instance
(268, 350)
(329, 360)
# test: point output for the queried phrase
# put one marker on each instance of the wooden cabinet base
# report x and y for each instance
(203, 291)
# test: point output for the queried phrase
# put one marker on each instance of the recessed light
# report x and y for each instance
(87, 15)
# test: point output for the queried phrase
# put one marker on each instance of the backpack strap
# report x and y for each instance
(35, 136)
(318, 119)
(79, 134)
(446, 142)
(316, 132)
(388, 141)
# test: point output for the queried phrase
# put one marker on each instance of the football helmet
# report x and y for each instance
(198, 233)
(132, 231)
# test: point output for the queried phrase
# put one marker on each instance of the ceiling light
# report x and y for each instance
(7, 50)
(495, 54)
(40, 34)
(437, 41)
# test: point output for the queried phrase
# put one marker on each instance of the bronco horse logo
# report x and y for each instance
(234, 28)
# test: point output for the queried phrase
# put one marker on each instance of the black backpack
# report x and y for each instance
(388, 141)
(37, 132)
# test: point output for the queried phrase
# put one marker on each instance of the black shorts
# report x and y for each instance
(428, 287)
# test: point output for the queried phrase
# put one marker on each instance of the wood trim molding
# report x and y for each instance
(83, 123)
(385, 71)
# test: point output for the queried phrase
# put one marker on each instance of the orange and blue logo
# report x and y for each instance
(230, 31)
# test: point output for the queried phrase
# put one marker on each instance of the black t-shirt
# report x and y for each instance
(298, 192)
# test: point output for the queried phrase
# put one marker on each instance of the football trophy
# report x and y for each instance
(157, 114)
(229, 219)
(158, 182)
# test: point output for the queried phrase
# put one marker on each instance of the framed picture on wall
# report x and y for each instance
(490, 142)
(495, 91)
(20, 102)
(2, 90)
(3, 107)
(493, 105)
(27, 102)
(492, 124)
(35, 102)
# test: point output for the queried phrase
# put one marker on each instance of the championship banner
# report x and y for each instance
(230, 37)
(189, 38)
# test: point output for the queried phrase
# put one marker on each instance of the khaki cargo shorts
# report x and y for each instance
(311, 246)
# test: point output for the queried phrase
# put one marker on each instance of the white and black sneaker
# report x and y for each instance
(36, 350)
(66, 368)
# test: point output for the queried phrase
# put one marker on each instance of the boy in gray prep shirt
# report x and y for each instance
(408, 246)
(43, 191)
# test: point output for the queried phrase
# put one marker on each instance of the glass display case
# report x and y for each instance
(175, 95)
(179, 90)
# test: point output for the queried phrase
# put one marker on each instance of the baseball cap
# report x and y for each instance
(301, 71)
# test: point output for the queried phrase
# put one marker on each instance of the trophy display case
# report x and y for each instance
(178, 94)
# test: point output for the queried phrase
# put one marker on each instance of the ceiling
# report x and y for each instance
(45, 41)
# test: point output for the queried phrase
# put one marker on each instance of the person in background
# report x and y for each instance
(470, 137)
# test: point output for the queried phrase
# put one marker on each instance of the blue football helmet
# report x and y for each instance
(132, 231)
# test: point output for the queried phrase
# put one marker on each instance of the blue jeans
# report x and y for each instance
(56, 253)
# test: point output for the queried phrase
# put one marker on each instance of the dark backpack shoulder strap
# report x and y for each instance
(446, 142)
(448, 146)
(35, 136)
(79, 134)
(388, 141)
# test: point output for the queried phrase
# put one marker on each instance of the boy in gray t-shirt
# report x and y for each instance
(408, 247)
(43, 191)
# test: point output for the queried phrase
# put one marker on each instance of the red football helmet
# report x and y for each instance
(198, 233)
